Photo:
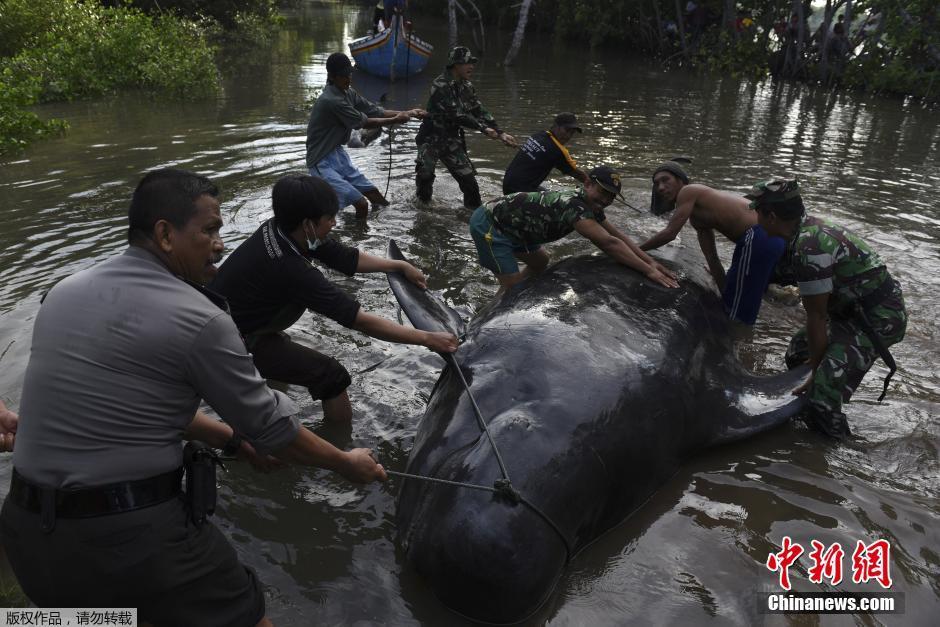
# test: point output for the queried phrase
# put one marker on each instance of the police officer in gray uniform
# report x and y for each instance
(121, 355)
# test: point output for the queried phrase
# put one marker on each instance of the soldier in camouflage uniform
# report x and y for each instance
(514, 227)
(453, 105)
(854, 308)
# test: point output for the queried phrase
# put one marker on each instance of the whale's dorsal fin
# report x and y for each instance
(425, 310)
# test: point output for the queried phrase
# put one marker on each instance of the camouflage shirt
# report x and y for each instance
(534, 218)
(826, 258)
(453, 104)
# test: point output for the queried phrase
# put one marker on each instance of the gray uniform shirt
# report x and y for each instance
(335, 114)
(121, 355)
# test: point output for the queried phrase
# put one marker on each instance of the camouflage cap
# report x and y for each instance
(460, 54)
(773, 191)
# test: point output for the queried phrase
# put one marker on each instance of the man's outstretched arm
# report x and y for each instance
(706, 239)
(685, 202)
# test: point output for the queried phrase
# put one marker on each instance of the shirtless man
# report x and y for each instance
(708, 210)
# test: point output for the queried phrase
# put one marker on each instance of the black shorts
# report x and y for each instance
(174, 573)
(277, 357)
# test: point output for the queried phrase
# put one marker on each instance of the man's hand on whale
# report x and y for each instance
(621, 249)
(414, 275)
(380, 328)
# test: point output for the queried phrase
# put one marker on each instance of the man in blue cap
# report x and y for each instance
(338, 110)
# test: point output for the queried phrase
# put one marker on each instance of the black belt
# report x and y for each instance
(860, 308)
(879, 294)
(114, 498)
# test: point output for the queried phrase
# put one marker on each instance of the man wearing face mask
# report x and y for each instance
(121, 355)
(269, 281)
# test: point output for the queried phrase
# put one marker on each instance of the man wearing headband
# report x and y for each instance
(513, 228)
(708, 210)
(542, 152)
(854, 308)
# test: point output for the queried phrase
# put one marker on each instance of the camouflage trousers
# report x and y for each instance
(453, 154)
(848, 357)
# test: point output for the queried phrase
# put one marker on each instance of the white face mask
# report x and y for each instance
(315, 243)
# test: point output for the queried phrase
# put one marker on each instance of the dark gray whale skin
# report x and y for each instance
(596, 384)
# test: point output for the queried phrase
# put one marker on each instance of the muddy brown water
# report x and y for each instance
(695, 553)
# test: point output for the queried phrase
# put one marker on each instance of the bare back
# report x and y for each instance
(725, 212)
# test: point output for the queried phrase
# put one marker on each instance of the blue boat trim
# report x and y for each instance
(393, 53)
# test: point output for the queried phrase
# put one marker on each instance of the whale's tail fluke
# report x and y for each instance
(425, 310)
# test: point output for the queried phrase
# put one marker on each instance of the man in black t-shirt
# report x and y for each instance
(542, 152)
(269, 282)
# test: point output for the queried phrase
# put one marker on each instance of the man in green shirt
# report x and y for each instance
(338, 110)
(513, 228)
(854, 308)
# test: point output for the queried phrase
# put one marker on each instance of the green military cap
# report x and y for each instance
(773, 191)
(460, 54)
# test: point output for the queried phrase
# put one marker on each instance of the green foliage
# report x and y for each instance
(248, 30)
(90, 50)
(65, 49)
(231, 14)
(739, 57)
(18, 125)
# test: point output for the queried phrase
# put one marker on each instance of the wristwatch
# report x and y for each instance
(234, 444)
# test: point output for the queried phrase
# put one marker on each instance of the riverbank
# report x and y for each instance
(63, 50)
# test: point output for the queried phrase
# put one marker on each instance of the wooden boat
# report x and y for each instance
(393, 53)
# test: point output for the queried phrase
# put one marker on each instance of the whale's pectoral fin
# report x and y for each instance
(760, 404)
(424, 309)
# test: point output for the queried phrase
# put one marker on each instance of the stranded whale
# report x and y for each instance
(594, 385)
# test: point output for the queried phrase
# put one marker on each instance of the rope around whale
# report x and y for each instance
(501, 487)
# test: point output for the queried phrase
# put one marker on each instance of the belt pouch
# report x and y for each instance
(200, 461)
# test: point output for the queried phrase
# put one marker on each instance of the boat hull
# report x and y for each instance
(393, 53)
